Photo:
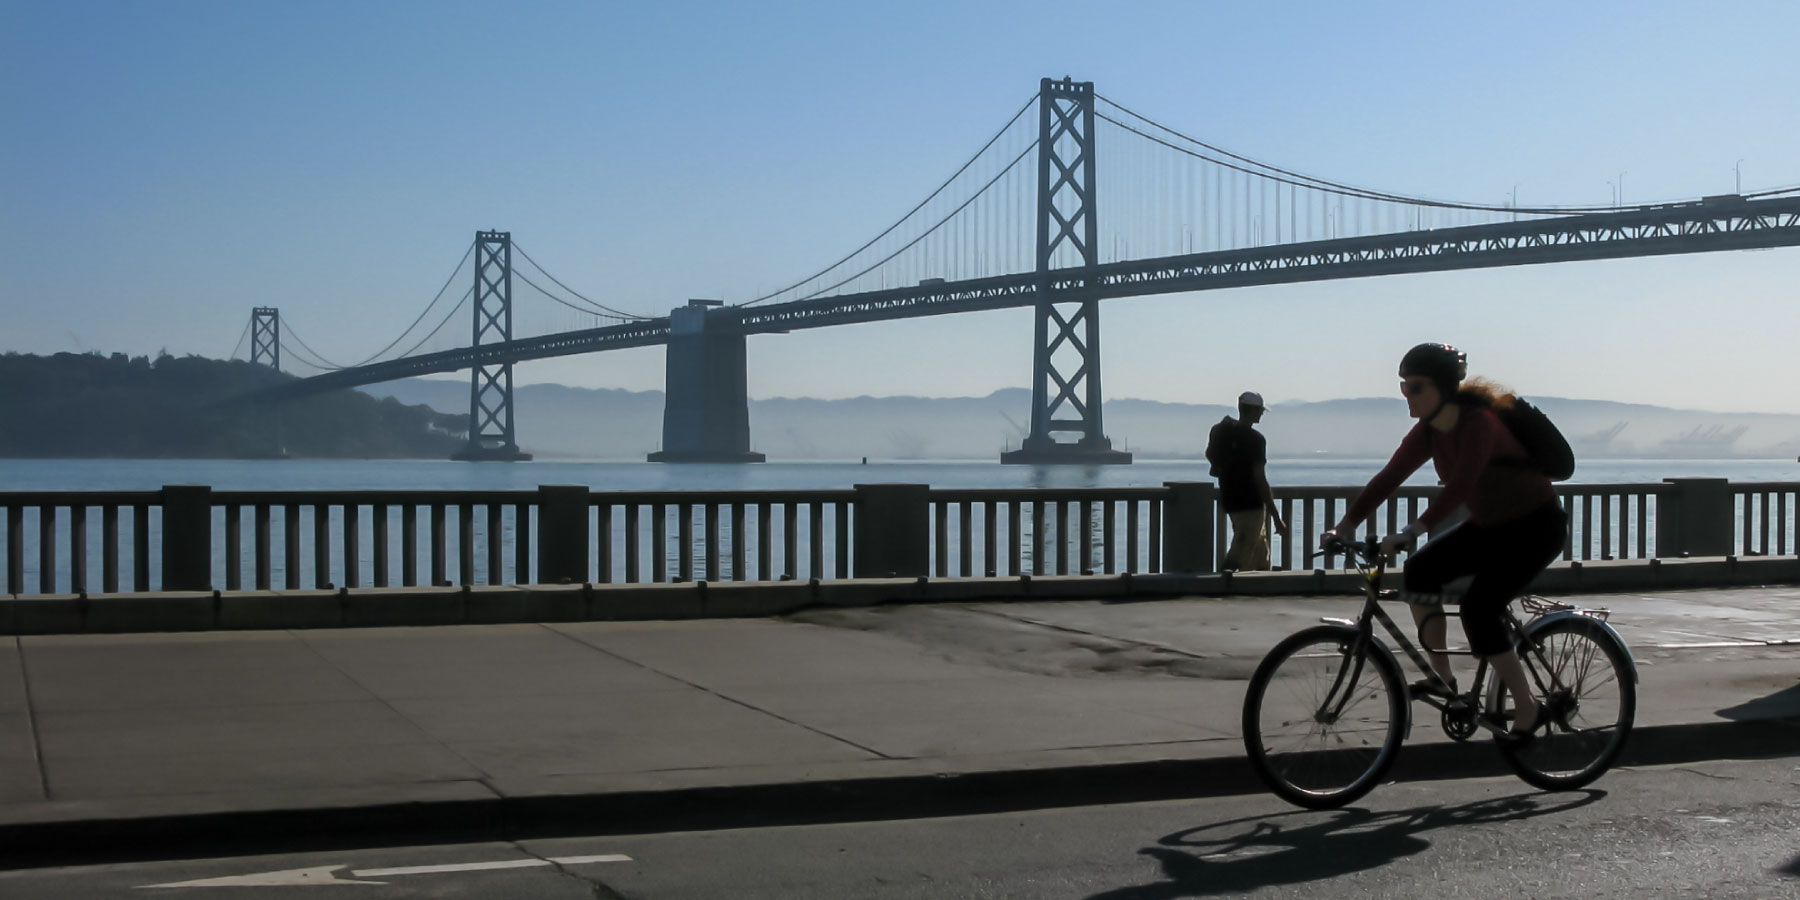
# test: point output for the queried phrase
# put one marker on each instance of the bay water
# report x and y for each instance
(446, 475)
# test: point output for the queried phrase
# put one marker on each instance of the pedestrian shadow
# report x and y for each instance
(1785, 702)
(1303, 846)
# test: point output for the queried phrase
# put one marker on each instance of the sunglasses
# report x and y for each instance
(1414, 388)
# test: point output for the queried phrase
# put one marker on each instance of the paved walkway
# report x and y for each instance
(162, 739)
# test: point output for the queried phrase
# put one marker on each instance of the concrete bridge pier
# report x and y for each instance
(706, 410)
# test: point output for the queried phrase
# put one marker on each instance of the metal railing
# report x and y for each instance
(1765, 513)
(188, 537)
(1064, 531)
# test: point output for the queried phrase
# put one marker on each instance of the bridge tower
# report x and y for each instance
(706, 408)
(1066, 348)
(265, 350)
(265, 337)
(491, 434)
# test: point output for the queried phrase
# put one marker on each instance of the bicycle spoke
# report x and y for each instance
(1319, 721)
(1590, 700)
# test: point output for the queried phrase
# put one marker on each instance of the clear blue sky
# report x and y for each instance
(165, 166)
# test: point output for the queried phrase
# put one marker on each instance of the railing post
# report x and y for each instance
(1694, 519)
(562, 534)
(186, 537)
(893, 530)
(1188, 526)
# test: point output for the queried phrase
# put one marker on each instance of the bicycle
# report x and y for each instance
(1327, 709)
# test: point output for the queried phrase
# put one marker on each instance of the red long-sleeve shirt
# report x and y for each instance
(1462, 455)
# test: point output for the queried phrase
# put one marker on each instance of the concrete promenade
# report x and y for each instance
(195, 743)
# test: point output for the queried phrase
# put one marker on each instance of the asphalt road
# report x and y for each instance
(1714, 829)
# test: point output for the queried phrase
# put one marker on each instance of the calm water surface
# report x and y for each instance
(339, 474)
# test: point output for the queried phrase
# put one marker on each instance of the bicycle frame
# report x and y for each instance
(1490, 691)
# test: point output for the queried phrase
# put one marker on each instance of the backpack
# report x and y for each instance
(1221, 444)
(1546, 449)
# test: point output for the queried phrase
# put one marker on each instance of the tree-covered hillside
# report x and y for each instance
(87, 405)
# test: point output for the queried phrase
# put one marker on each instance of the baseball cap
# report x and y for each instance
(1251, 398)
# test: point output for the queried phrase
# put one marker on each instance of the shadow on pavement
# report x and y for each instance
(1305, 846)
(1781, 703)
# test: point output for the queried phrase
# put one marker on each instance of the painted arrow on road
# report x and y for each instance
(329, 874)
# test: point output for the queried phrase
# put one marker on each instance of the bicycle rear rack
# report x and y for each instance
(1540, 606)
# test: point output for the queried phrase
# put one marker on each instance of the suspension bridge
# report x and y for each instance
(1180, 215)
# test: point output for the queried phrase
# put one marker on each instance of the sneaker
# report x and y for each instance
(1426, 687)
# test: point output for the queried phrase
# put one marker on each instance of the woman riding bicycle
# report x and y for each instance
(1515, 528)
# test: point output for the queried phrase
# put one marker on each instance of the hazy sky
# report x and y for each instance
(165, 166)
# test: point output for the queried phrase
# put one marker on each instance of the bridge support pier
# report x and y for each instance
(706, 410)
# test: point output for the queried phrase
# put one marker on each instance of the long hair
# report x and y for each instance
(1484, 393)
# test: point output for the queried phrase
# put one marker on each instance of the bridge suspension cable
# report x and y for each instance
(242, 336)
(598, 309)
(927, 233)
(1285, 176)
(289, 333)
(905, 218)
(323, 363)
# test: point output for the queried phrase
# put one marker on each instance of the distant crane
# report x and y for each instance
(1021, 430)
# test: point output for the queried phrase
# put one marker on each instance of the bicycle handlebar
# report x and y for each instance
(1369, 551)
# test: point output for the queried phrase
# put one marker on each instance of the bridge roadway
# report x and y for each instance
(153, 745)
(1709, 225)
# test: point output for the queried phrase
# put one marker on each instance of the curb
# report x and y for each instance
(37, 845)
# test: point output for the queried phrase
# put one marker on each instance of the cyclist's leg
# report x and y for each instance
(1516, 552)
(1443, 559)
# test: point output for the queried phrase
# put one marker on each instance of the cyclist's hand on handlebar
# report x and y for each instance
(1332, 542)
(1394, 543)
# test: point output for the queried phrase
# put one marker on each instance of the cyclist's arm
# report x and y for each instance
(1414, 450)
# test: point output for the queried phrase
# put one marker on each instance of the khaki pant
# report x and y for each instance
(1249, 541)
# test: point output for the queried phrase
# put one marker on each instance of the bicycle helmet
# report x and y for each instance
(1445, 365)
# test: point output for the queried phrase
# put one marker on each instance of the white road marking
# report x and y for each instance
(314, 875)
(499, 864)
(328, 874)
(583, 860)
(1712, 645)
(451, 867)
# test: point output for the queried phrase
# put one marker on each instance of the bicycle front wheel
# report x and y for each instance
(1591, 702)
(1323, 721)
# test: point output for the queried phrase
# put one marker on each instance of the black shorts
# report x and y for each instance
(1503, 559)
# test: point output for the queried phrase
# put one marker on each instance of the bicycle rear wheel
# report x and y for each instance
(1591, 705)
(1321, 724)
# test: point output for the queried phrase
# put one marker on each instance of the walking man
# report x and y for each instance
(1239, 453)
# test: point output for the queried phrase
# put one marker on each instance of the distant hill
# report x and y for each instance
(84, 405)
(559, 421)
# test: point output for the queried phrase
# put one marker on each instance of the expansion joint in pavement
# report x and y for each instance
(30, 712)
(1065, 629)
(722, 696)
(596, 888)
(375, 696)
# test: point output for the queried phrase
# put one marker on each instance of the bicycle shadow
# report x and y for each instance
(1308, 846)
